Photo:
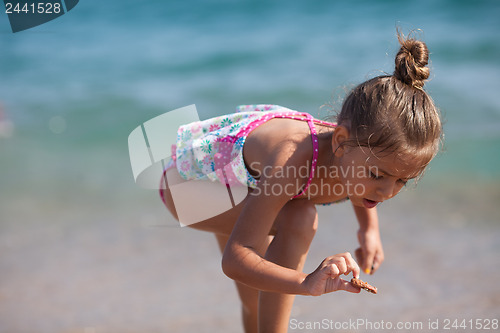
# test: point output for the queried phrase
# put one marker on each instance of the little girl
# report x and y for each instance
(253, 179)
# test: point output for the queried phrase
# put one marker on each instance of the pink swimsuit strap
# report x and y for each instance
(292, 115)
(314, 136)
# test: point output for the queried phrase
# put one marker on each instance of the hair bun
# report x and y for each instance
(411, 62)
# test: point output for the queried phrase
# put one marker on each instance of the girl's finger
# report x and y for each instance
(368, 263)
(347, 286)
(377, 260)
(363, 260)
(352, 266)
(333, 270)
(341, 263)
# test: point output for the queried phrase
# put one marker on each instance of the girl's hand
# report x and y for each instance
(326, 278)
(370, 255)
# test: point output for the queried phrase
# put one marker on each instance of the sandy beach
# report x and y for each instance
(86, 268)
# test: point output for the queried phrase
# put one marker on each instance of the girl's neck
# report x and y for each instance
(326, 157)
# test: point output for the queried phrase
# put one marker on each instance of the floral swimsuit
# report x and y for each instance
(213, 148)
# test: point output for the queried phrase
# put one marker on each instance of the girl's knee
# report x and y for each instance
(301, 219)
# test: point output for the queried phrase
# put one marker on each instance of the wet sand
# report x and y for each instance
(91, 268)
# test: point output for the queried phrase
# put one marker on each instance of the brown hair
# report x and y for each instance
(393, 112)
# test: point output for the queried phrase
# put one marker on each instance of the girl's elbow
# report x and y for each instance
(229, 265)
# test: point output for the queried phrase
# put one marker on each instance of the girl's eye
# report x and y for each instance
(374, 176)
(402, 182)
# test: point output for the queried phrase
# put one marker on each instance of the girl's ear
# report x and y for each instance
(339, 137)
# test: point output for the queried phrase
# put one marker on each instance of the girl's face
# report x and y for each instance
(370, 178)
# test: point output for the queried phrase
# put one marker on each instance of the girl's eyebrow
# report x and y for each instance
(371, 166)
(390, 175)
(380, 170)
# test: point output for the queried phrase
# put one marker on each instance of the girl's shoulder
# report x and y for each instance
(279, 141)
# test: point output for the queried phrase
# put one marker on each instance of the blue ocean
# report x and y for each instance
(72, 220)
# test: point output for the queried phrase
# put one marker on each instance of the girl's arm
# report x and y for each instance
(242, 263)
(371, 254)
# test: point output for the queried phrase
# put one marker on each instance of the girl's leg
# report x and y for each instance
(249, 297)
(295, 228)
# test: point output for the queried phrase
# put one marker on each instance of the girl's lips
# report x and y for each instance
(369, 203)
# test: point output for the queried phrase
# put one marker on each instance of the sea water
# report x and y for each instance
(89, 77)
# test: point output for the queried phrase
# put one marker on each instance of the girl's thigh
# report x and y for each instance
(203, 205)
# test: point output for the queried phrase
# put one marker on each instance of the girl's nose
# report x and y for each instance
(386, 190)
